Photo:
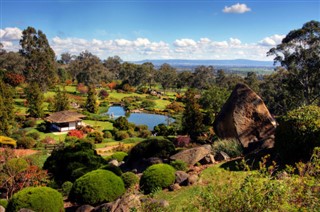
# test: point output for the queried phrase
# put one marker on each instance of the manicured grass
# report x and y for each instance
(118, 96)
(161, 104)
(99, 125)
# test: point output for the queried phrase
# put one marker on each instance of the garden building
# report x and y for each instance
(65, 120)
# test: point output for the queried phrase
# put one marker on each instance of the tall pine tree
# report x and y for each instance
(92, 103)
(35, 100)
(61, 101)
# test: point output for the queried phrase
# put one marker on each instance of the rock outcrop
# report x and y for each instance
(193, 155)
(245, 117)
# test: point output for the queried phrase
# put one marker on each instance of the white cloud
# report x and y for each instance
(272, 40)
(185, 42)
(10, 34)
(234, 41)
(237, 8)
(145, 48)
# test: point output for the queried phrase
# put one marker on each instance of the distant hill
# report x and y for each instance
(189, 63)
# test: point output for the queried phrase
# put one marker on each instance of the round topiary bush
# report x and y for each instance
(298, 134)
(154, 147)
(36, 199)
(157, 176)
(96, 187)
(130, 179)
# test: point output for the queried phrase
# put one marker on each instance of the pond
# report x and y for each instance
(151, 120)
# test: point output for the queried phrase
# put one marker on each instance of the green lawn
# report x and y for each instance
(118, 96)
(99, 125)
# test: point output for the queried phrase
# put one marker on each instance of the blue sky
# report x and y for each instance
(158, 29)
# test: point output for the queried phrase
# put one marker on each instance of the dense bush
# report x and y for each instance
(62, 162)
(75, 133)
(96, 187)
(121, 123)
(175, 106)
(153, 147)
(107, 134)
(66, 188)
(179, 165)
(4, 203)
(164, 130)
(119, 156)
(34, 135)
(232, 147)
(36, 199)
(157, 176)
(26, 142)
(103, 94)
(30, 122)
(298, 133)
(129, 179)
(95, 136)
(121, 135)
(115, 169)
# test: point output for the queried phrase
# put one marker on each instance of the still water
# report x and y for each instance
(151, 120)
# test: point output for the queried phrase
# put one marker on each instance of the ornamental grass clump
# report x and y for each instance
(97, 187)
(157, 177)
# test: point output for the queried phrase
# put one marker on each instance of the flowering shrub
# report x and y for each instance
(76, 133)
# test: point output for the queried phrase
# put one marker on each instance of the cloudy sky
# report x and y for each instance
(158, 29)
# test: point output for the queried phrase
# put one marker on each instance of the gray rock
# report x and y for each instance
(221, 156)
(124, 204)
(193, 155)
(174, 187)
(246, 118)
(114, 162)
(208, 159)
(85, 208)
(193, 179)
(2, 209)
(153, 160)
(181, 178)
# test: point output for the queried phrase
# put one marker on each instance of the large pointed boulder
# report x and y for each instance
(245, 117)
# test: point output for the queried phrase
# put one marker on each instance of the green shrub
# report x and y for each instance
(6, 141)
(26, 142)
(121, 135)
(129, 179)
(107, 134)
(78, 172)
(36, 199)
(179, 165)
(144, 133)
(121, 123)
(115, 169)
(34, 135)
(71, 139)
(63, 162)
(15, 165)
(30, 122)
(96, 187)
(119, 156)
(298, 134)
(157, 176)
(96, 136)
(66, 188)
(153, 147)
(230, 146)
(4, 203)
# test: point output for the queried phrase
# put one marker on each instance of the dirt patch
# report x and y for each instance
(21, 152)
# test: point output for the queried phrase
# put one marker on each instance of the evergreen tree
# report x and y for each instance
(40, 58)
(61, 101)
(192, 121)
(91, 104)
(35, 100)
(6, 109)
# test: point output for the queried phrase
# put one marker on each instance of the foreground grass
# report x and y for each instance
(223, 190)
